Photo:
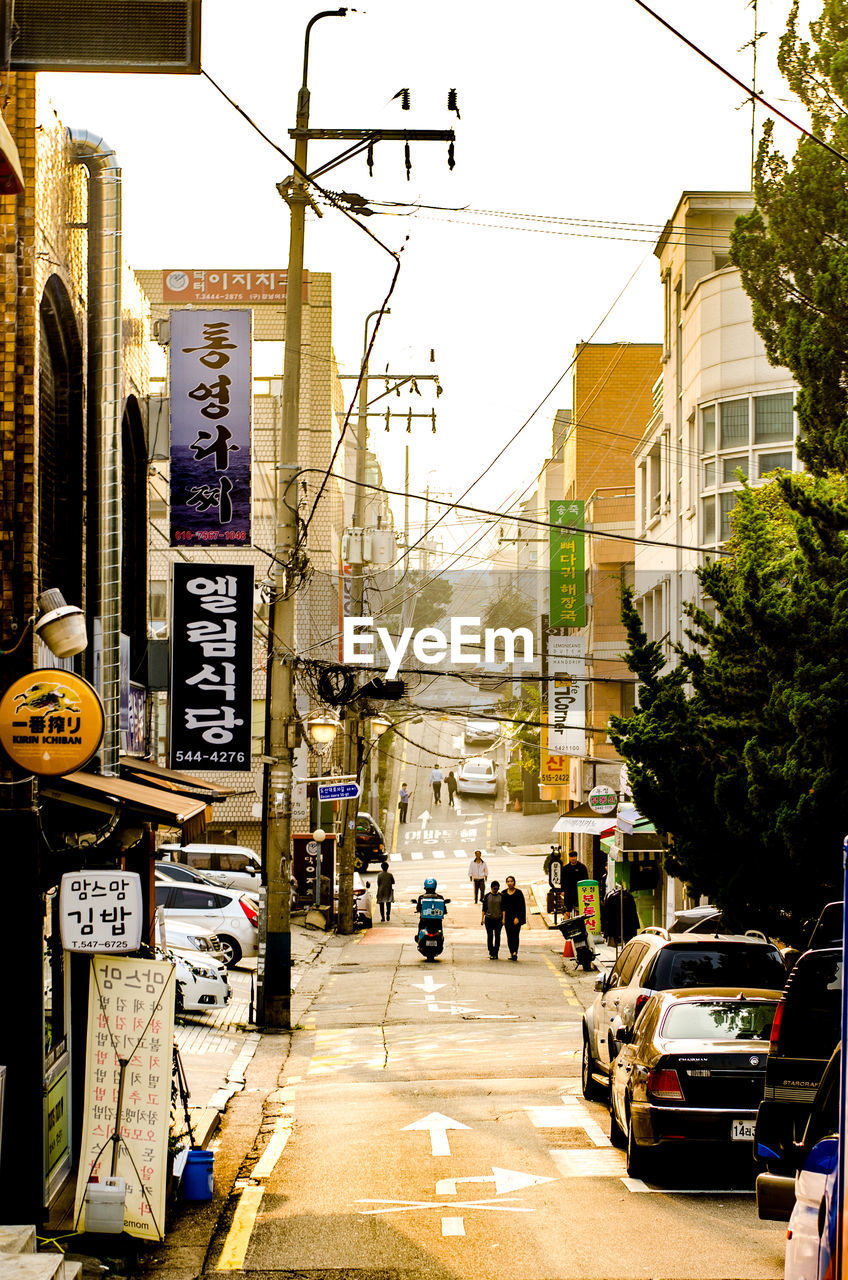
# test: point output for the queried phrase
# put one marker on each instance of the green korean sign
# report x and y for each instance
(567, 564)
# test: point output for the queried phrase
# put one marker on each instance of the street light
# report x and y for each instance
(60, 625)
(322, 729)
(379, 725)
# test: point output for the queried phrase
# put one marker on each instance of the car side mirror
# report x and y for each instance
(601, 983)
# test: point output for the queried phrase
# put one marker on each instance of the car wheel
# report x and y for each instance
(587, 1066)
(637, 1158)
(231, 949)
(360, 864)
(618, 1137)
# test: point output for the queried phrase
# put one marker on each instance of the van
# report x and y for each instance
(233, 866)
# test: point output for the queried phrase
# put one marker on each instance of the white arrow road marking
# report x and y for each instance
(425, 817)
(438, 1126)
(573, 1115)
(429, 985)
(504, 1180)
(403, 1206)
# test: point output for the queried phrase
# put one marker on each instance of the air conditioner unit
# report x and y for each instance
(99, 35)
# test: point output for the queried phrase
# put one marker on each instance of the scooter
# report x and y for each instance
(430, 936)
(577, 934)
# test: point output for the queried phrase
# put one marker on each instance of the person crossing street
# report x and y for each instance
(478, 874)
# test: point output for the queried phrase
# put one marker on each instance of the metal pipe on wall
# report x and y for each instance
(106, 401)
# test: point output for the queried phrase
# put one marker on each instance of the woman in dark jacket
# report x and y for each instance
(514, 915)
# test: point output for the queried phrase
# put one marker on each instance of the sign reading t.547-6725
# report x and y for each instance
(211, 666)
(51, 722)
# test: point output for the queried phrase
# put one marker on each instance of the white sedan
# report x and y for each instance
(477, 777)
(232, 915)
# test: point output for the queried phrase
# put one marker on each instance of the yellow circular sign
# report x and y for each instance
(51, 722)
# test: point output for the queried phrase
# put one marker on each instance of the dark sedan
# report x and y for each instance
(692, 1070)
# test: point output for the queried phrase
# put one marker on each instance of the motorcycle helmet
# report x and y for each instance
(429, 885)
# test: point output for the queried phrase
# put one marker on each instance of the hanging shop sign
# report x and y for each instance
(195, 286)
(567, 564)
(51, 722)
(566, 701)
(602, 799)
(211, 666)
(128, 1087)
(101, 911)
(211, 397)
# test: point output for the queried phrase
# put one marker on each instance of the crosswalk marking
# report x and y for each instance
(460, 853)
(592, 1163)
(438, 853)
(417, 855)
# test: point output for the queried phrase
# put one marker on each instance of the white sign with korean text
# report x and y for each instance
(567, 695)
(130, 1035)
(100, 911)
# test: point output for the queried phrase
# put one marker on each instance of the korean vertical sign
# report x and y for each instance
(567, 564)
(128, 1086)
(211, 666)
(211, 402)
(563, 734)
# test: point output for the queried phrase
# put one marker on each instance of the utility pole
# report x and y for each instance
(274, 971)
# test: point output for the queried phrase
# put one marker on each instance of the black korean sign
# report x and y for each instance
(211, 402)
(211, 666)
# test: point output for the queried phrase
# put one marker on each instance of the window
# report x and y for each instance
(708, 432)
(719, 1020)
(654, 482)
(234, 862)
(730, 466)
(773, 418)
(720, 965)
(158, 509)
(734, 423)
(158, 600)
(708, 520)
(633, 961)
(774, 462)
(720, 261)
(624, 959)
(727, 501)
(196, 900)
(709, 474)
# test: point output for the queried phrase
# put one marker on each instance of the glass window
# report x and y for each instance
(719, 1020)
(195, 900)
(623, 959)
(708, 434)
(734, 423)
(729, 467)
(810, 1025)
(727, 502)
(235, 861)
(773, 418)
(708, 520)
(633, 960)
(158, 599)
(774, 462)
(709, 474)
(720, 965)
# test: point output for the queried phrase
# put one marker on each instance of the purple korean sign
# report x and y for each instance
(211, 666)
(211, 401)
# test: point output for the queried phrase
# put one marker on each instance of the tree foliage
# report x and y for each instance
(739, 751)
(792, 248)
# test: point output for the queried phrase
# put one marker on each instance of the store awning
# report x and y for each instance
(11, 173)
(189, 814)
(147, 773)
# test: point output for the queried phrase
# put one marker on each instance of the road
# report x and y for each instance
(429, 1122)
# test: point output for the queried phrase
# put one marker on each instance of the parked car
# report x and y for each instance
(805, 1033)
(176, 871)
(191, 937)
(481, 730)
(656, 960)
(233, 866)
(203, 983)
(370, 841)
(692, 1069)
(233, 916)
(477, 776)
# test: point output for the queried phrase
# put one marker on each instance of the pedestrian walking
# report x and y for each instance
(514, 915)
(403, 803)
(478, 874)
(571, 873)
(385, 891)
(436, 780)
(493, 918)
(451, 784)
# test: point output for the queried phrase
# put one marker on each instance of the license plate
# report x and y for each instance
(742, 1130)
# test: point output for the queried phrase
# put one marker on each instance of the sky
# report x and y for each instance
(569, 111)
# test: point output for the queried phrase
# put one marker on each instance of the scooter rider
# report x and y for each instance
(430, 892)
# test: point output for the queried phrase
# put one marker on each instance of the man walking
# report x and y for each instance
(451, 784)
(385, 891)
(571, 873)
(514, 915)
(403, 803)
(478, 874)
(436, 780)
(493, 918)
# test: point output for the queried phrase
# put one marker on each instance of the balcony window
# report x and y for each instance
(708, 431)
(773, 419)
(709, 474)
(729, 467)
(774, 462)
(708, 519)
(727, 502)
(734, 423)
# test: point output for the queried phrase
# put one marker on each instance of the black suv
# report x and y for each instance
(657, 961)
(804, 1035)
(370, 842)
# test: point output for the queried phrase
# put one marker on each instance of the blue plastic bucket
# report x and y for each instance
(198, 1174)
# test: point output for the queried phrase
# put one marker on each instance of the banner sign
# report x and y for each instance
(130, 1022)
(211, 401)
(567, 565)
(100, 911)
(211, 666)
(262, 284)
(51, 722)
(566, 698)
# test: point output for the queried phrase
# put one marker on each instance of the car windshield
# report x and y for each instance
(719, 964)
(482, 767)
(719, 1020)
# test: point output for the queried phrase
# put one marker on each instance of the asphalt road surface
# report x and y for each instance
(430, 1124)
